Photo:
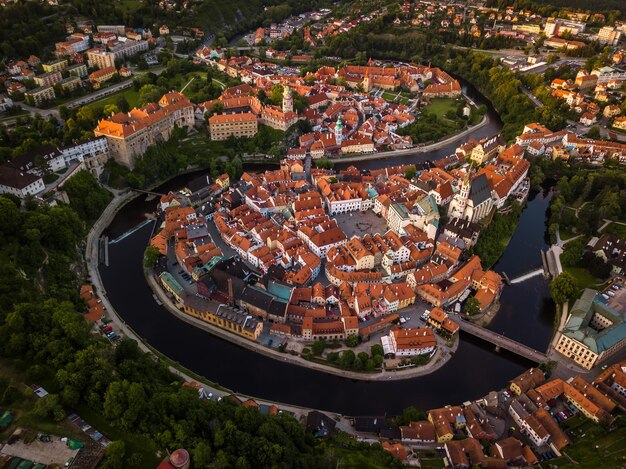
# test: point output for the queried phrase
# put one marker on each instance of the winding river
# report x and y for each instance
(526, 314)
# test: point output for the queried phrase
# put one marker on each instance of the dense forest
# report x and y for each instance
(27, 28)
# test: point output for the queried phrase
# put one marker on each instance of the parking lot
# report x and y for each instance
(47, 450)
(360, 223)
(616, 294)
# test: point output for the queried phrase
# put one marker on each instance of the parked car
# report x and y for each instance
(107, 329)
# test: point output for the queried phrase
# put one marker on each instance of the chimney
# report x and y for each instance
(231, 295)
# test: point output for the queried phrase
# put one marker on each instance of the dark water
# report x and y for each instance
(473, 371)
(526, 315)
(527, 310)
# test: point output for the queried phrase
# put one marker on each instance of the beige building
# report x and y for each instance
(40, 95)
(362, 256)
(593, 332)
(70, 83)
(55, 66)
(78, 70)
(130, 134)
(99, 58)
(100, 76)
(48, 79)
(222, 126)
(620, 123)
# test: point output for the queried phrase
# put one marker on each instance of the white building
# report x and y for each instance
(528, 423)
(93, 153)
(20, 183)
(609, 35)
(409, 342)
(343, 206)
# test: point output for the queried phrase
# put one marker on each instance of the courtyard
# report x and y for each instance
(360, 223)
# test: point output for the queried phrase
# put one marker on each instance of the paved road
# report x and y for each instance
(91, 97)
(532, 97)
(91, 255)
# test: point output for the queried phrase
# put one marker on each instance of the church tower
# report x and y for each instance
(459, 203)
(367, 84)
(339, 130)
(287, 100)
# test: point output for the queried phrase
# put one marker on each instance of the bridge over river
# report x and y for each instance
(500, 341)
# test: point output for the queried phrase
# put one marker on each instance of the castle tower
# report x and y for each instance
(339, 130)
(287, 100)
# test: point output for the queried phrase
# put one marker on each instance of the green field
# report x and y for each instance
(130, 94)
(394, 97)
(440, 106)
(593, 446)
(583, 277)
(129, 6)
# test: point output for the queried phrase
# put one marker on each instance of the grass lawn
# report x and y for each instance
(440, 106)
(393, 97)
(617, 230)
(129, 6)
(583, 277)
(130, 94)
(434, 463)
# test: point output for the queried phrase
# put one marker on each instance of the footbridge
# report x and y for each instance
(500, 341)
(141, 191)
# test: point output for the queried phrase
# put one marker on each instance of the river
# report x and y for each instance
(526, 315)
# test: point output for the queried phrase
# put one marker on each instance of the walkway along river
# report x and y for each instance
(526, 315)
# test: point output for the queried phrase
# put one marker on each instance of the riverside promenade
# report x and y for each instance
(91, 257)
(441, 357)
(417, 149)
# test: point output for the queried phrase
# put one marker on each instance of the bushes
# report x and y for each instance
(495, 238)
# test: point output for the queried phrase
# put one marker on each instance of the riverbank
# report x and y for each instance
(91, 257)
(383, 155)
(441, 357)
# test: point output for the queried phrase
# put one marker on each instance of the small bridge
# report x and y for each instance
(158, 194)
(501, 342)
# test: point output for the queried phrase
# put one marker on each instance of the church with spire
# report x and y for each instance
(473, 201)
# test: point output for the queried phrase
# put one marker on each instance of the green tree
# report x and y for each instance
(122, 103)
(49, 407)
(114, 455)
(563, 288)
(347, 359)
(318, 347)
(471, 306)
(150, 257)
(377, 349)
(594, 132)
(352, 340)
(110, 109)
(409, 172)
